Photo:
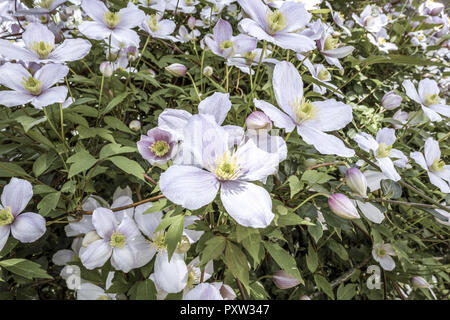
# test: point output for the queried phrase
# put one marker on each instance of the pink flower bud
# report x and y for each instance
(356, 181)
(258, 120)
(106, 68)
(177, 69)
(284, 281)
(391, 100)
(227, 292)
(419, 282)
(342, 206)
(191, 22)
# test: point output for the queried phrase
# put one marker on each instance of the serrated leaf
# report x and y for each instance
(237, 262)
(145, 290)
(284, 260)
(129, 166)
(25, 268)
(214, 247)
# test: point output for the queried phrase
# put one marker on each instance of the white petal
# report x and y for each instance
(387, 166)
(331, 115)
(386, 136)
(71, 50)
(95, 254)
(432, 151)
(370, 211)
(203, 291)
(62, 257)
(323, 142)
(287, 86)
(279, 118)
(170, 276)
(28, 227)
(123, 259)
(411, 91)
(105, 222)
(147, 222)
(16, 195)
(216, 105)
(439, 182)
(420, 159)
(4, 235)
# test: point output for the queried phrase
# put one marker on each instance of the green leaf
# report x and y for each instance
(324, 285)
(9, 169)
(174, 233)
(314, 176)
(114, 102)
(117, 124)
(295, 185)
(237, 262)
(312, 260)
(112, 149)
(41, 164)
(284, 260)
(250, 238)
(391, 189)
(48, 203)
(338, 248)
(28, 122)
(346, 292)
(25, 268)
(129, 166)
(81, 161)
(291, 219)
(214, 247)
(316, 231)
(145, 290)
(157, 206)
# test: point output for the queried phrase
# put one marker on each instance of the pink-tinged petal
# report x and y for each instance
(51, 74)
(441, 108)
(14, 52)
(287, 86)
(411, 91)
(387, 166)
(244, 43)
(94, 9)
(126, 35)
(121, 202)
(366, 142)
(50, 96)
(387, 263)
(295, 15)
(95, 254)
(218, 105)
(123, 259)
(255, 9)
(190, 187)
(105, 222)
(250, 205)
(129, 228)
(279, 118)
(323, 142)
(427, 87)
(203, 291)
(294, 41)
(4, 235)
(71, 50)
(222, 31)
(370, 212)
(35, 33)
(174, 121)
(28, 227)
(10, 98)
(12, 75)
(386, 136)
(374, 178)
(431, 114)
(147, 222)
(253, 29)
(170, 276)
(130, 16)
(339, 52)
(255, 163)
(89, 291)
(331, 115)
(143, 252)
(432, 151)
(16, 195)
(419, 159)
(439, 182)
(94, 30)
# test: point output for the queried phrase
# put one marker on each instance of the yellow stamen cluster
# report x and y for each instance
(226, 44)
(323, 75)
(32, 85)
(160, 148)
(152, 23)
(438, 165)
(193, 278)
(383, 150)
(45, 3)
(381, 252)
(276, 21)
(330, 43)
(158, 241)
(6, 216)
(112, 19)
(249, 57)
(304, 110)
(226, 167)
(431, 99)
(117, 240)
(184, 245)
(381, 41)
(42, 49)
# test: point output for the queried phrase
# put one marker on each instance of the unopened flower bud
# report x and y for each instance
(283, 280)
(184, 245)
(191, 22)
(106, 68)
(135, 125)
(419, 282)
(90, 237)
(152, 72)
(391, 100)
(258, 120)
(208, 71)
(342, 206)
(305, 297)
(356, 181)
(177, 69)
(227, 292)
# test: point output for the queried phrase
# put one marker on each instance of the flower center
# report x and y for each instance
(330, 43)
(226, 44)
(438, 165)
(160, 148)
(193, 278)
(158, 241)
(323, 74)
(112, 19)
(381, 41)
(45, 3)
(42, 49)
(103, 297)
(117, 240)
(32, 85)
(381, 252)
(304, 110)
(6, 216)
(276, 21)
(431, 99)
(249, 57)
(153, 23)
(226, 167)
(383, 150)
(184, 245)
(188, 2)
